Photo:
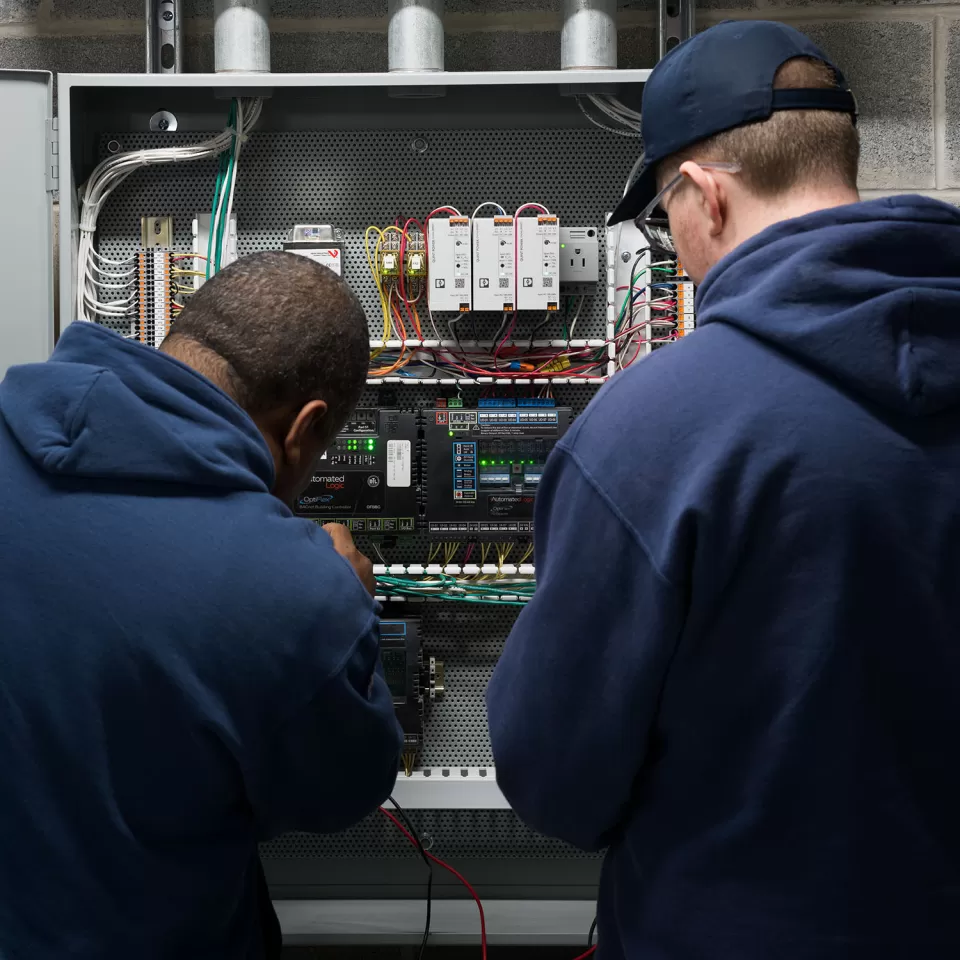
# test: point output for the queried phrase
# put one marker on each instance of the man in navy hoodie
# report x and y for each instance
(741, 670)
(185, 668)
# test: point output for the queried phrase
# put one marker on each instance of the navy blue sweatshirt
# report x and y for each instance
(185, 668)
(741, 670)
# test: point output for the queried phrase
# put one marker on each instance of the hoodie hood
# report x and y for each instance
(867, 294)
(106, 407)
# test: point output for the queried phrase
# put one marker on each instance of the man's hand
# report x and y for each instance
(344, 545)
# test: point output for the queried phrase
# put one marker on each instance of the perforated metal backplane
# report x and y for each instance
(352, 179)
(457, 834)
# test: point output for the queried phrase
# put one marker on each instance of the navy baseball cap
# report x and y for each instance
(720, 79)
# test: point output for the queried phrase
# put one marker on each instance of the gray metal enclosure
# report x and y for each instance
(356, 150)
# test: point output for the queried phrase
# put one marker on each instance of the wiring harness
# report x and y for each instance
(95, 273)
(404, 352)
(622, 120)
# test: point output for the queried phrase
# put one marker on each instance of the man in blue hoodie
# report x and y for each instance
(185, 668)
(741, 669)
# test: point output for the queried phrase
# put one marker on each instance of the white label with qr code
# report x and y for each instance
(398, 463)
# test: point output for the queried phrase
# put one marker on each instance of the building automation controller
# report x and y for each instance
(367, 477)
(483, 467)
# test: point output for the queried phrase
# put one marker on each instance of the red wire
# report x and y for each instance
(516, 256)
(447, 867)
(589, 953)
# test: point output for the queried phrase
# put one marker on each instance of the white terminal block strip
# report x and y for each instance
(686, 314)
(450, 284)
(538, 263)
(493, 276)
(202, 245)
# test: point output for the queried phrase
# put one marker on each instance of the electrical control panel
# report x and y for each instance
(450, 286)
(366, 479)
(375, 181)
(483, 467)
(493, 277)
(538, 263)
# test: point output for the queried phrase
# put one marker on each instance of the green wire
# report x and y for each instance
(447, 588)
(219, 186)
(228, 183)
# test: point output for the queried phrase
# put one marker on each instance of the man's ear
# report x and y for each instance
(711, 195)
(306, 427)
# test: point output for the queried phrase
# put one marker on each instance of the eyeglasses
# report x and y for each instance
(653, 223)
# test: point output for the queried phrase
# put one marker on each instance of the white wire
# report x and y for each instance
(115, 263)
(576, 317)
(616, 110)
(107, 176)
(489, 203)
(627, 125)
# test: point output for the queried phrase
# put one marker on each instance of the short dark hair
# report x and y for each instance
(791, 147)
(287, 330)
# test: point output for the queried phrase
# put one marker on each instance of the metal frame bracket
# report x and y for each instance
(675, 23)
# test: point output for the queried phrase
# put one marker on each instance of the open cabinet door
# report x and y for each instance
(26, 228)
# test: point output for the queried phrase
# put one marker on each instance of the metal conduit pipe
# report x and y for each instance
(589, 37)
(241, 36)
(415, 36)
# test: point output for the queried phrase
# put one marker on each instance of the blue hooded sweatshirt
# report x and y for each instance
(185, 668)
(741, 669)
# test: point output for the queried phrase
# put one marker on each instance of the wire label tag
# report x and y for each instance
(399, 459)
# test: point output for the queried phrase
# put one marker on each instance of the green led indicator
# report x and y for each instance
(451, 433)
(563, 246)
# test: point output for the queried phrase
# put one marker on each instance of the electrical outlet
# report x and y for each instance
(156, 232)
(579, 259)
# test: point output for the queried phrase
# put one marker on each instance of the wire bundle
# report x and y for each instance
(92, 272)
(660, 296)
(626, 122)
(222, 209)
(445, 587)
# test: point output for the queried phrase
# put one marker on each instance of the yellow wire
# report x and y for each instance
(176, 271)
(378, 257)
(375, 272)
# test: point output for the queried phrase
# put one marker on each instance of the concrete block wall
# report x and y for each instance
(902, 59)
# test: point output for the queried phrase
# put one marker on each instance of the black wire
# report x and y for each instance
(537, 327)
(453, 331)
(593, 930)
(423, 854)
(503, 326)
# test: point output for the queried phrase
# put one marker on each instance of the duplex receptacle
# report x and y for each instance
(579, 259)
